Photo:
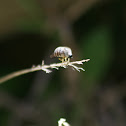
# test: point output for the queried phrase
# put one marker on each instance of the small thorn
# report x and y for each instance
(42, 62)
(33, 66)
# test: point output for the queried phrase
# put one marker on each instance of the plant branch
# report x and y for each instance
(44, 68)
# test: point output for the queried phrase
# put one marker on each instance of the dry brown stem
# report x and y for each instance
(44, 68)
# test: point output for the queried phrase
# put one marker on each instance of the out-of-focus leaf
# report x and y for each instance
(31, 6)
(4, 114)
(97, 46)
(27, 25)
(35, 19)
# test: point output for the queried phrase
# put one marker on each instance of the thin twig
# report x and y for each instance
(44, 68)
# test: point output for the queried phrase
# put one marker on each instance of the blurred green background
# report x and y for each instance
(30, 30)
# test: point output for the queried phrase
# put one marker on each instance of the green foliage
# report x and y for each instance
(30, 6)
(97, 45)
(4, 114)
(35, 20)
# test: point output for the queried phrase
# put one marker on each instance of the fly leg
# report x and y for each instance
(61, 59)
(67, 59)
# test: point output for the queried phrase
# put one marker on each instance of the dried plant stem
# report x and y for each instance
(44, 68)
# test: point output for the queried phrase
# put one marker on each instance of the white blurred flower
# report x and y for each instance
(62, 122)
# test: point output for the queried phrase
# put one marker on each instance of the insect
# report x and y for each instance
(64, 53)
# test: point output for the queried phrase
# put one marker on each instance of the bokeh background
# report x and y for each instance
(29, 32)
